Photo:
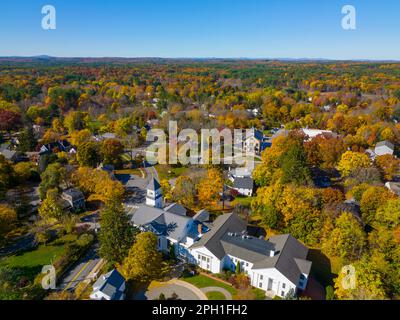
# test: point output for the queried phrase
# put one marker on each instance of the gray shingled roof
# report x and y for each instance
(385, 144)
(243, 183)
(290, 258)
(228, 237)
(164, 222)
(74, 193)
(110, 283)
(176, 208)
(223, 224)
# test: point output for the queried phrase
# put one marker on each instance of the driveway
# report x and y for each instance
(184, 291)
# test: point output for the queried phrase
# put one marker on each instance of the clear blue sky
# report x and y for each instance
(202, 28)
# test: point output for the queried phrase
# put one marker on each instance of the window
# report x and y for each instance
(260, 285)
(283, 285)
(261, 277)
(302, 277)
(283, 293)
(198, 256)
(247, 264)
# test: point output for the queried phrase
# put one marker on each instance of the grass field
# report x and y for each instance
(244, 201)
(215, 295)
(168, 172)
(201, 281)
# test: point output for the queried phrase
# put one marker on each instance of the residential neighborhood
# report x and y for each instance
(89, 191)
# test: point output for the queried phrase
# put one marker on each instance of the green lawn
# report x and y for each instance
(168, 172)
(215, 295)
(201, 281)
(31, 262)
(136, 172)
(244, 201)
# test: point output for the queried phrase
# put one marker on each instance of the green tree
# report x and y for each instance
(8, 217)
(88, 154)
(294, 166)
(51, 178)
(116, 233)
(27, 140)
(144, 261)
(50, 208)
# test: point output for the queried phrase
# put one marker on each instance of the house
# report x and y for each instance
(393, 187)
(276, 265)
(58, 146)
(154, 194)
(109, 169)
(253, 142)
(245, 186)
(242, 172)
(74, 198)
(176, 208)
(384, 147)
(110, 286)
(312, 133)
(105, 136)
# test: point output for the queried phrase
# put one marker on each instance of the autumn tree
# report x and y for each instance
(210, 187)
(369, 285)
(184, 191)
(388, 166)
(111, 150)
(8, 217)
(144, 261)
(347, 239)
(50, 208)
(116, 233)
(371, 200)
(352, 160)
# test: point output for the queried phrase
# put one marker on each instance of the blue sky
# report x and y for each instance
(202, 28)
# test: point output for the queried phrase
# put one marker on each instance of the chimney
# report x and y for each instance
(199, 229)
(271, 253)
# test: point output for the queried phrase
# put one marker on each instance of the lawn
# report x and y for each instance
(201, 281)
(215, 295)
(135, 172)
(31, 262)
(244, 201)
(168, 172)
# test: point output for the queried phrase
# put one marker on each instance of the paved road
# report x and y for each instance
(80, 270)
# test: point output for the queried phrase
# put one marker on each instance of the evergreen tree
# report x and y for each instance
(27, 140)
(116, 234)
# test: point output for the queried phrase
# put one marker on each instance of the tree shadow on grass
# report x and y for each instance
(321, 268)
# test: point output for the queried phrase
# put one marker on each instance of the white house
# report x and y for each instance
(110, 286)
(275, 266)
(244, 186)
(384, 147)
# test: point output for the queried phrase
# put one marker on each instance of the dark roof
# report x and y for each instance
(75, 194)
(153, 185)
(289, 259)
(229, 222)
(385, 144)
(163, 222)
(228, 237)
(243, 183)
(176, 208)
